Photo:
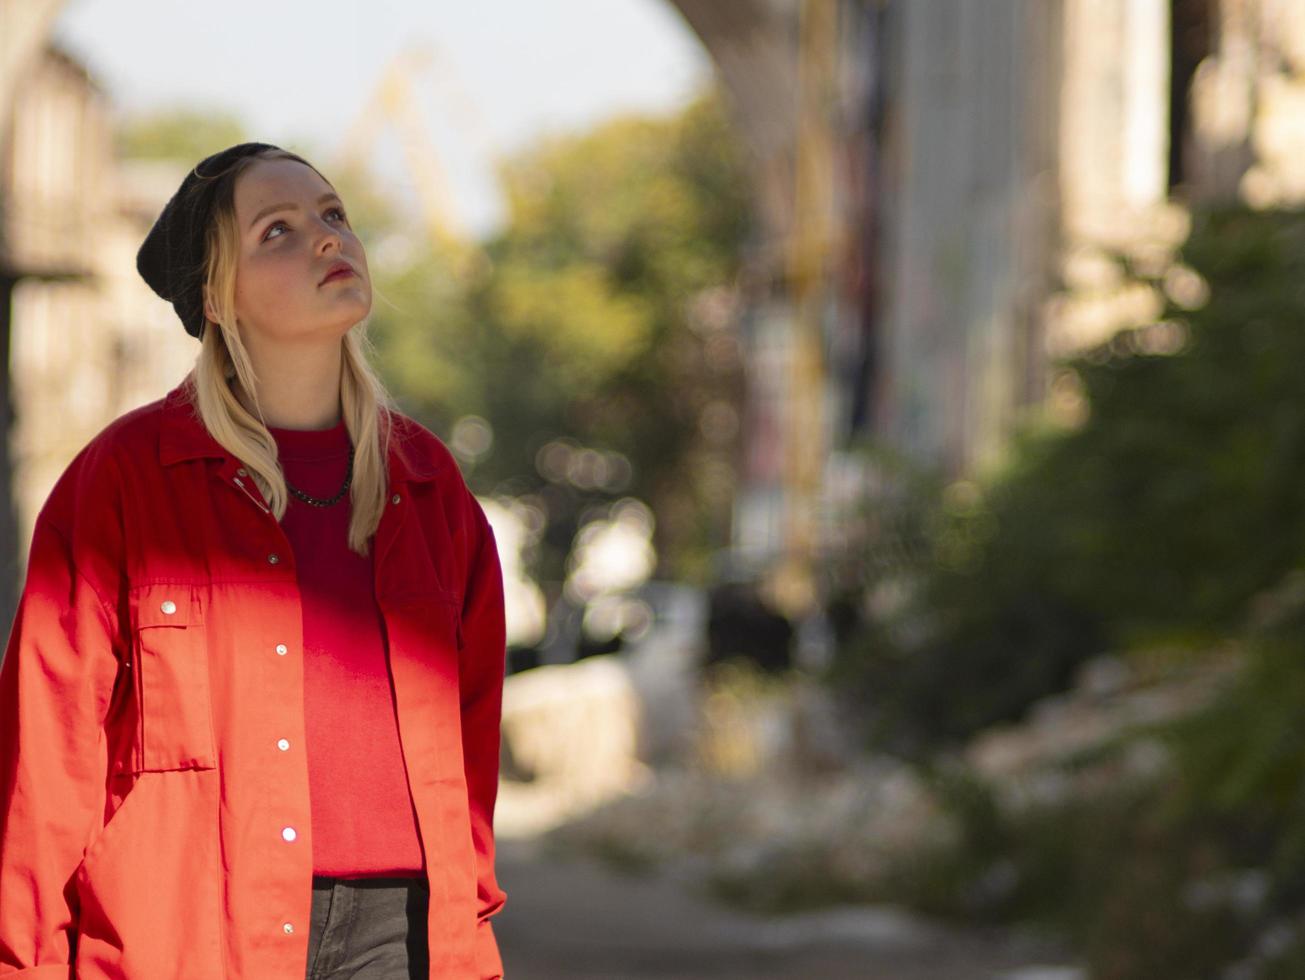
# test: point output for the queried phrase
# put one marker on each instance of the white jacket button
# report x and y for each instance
(168, 607)
(281, 650)
(288, 833)
(273, 558)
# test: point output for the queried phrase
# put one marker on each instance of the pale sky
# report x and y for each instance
(504, 70)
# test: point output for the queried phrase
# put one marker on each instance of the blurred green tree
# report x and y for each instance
(581, 331)
(184, 133)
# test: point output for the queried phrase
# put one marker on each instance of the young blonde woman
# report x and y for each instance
(249, 705)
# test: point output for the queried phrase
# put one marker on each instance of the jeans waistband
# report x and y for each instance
(405, 881)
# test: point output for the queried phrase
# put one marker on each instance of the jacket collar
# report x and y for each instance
(182, 436)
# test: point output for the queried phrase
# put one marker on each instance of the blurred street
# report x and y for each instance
(576, 918)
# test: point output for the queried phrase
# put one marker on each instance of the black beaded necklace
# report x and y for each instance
(327, 502)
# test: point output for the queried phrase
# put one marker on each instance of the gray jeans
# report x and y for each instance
(368, 928)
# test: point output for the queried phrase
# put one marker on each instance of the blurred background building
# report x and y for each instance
(85, 340)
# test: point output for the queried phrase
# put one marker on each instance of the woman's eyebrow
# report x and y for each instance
(290, 206)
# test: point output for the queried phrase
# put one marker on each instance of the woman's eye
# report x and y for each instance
(281, 224)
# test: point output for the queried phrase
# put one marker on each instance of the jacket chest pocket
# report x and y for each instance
(170, 647)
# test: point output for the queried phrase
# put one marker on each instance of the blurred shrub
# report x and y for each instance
(1112, 874)
(1179, 497)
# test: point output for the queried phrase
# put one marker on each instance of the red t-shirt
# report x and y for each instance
(364, 824)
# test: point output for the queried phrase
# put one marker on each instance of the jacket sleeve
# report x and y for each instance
(56, 684)
(481, 669)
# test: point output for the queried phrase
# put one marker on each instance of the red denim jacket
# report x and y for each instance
(151, 826)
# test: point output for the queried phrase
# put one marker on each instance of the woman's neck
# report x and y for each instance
(307, 397)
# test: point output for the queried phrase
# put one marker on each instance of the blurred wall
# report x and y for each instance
(85, 339)
(970, 204)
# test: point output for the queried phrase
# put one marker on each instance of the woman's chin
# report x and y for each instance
(344, 314)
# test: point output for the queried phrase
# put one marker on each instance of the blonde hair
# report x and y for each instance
(224, 361)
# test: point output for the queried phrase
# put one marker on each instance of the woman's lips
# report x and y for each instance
(338, 274)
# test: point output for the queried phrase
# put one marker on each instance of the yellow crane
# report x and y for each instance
(394, 101)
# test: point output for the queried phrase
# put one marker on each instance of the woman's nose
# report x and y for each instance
(327, 235)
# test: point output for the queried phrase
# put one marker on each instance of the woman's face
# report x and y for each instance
(293, 232)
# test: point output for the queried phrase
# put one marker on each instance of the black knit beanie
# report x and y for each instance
(171, 259)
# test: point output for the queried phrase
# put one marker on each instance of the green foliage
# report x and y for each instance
(425, 339)
(185, 134)
(1241, 764)
(1110, 873)
(1179, 498)
(610, 235)
(581, 327)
